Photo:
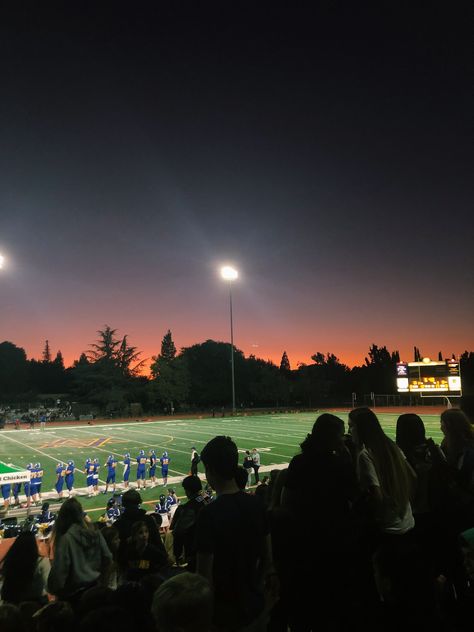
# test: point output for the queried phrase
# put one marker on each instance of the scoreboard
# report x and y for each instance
(429, 378)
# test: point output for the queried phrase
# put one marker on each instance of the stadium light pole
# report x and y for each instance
(228, 273)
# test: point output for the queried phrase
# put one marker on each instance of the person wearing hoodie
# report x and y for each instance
(81, 555)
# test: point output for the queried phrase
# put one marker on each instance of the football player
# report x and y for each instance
(152, 472)
(69, 477)
(126, 469)
(89, 472)
(96, 476)
(165, 461)
(141, 468)
(111, 465)
(60, 474)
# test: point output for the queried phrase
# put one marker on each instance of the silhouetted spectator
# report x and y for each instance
(183, 525)
(105, 617)
(132, 513)
(467, 406)
(11, 619)
(242, 478)
(262, 491)
(387, 482)
(459, 444)
(320, 486)
(233, 542)
(24, 571)
(56, 616)
(411, 439)
(183, 604)
(112, 539)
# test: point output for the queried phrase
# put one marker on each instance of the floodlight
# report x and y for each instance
(229, 273)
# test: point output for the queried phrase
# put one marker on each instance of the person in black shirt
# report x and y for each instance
(233, 543)
(184, 521)
(140, 558)
(195, 459)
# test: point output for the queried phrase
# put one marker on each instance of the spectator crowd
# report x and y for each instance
(358, 530)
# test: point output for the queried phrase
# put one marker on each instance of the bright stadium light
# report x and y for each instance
(2, 261)
(228, 273)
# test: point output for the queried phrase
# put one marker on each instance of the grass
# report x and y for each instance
(277, 437)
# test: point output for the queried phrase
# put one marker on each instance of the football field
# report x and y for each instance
(276, 436)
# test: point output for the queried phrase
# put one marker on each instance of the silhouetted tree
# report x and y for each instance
(46, 355)
(321, 383)
(128, 356)
(210, 373)
(466, 364)
(170, 383)
(318, 358)
(58, 360)
(13, 371)
(168, 349)
(106, 347)
(378, 373)
(285, 363)
(109, 373)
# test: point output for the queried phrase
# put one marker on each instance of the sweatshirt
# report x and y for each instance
(79, 560)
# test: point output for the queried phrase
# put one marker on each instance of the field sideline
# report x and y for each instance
(276, 436)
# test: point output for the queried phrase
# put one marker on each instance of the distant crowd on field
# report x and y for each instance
(34, 416)
(359, 530)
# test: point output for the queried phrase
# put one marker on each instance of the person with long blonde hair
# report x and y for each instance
(384, 473)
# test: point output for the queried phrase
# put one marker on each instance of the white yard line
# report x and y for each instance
(191, 440)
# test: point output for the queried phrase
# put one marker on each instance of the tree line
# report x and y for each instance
(109, 377)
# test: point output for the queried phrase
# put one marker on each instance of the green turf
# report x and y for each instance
(277, 437)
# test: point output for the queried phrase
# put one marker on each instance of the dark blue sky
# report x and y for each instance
(326, 153)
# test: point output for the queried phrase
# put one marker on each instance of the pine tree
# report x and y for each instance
(285, 363)
(46, 355)
(127, 355)
(83, 360)
(168, 349)
(59, 360)
(106, 346)
(115, 354)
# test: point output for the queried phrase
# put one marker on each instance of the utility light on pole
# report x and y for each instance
(228, 273)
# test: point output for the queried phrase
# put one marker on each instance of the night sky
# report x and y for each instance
(326, 154)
